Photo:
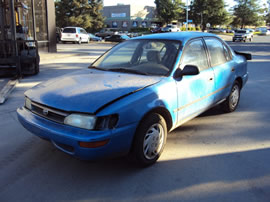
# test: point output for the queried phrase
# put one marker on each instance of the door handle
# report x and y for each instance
(210, 79)
(233, 69)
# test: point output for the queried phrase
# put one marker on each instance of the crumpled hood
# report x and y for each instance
(87, 90)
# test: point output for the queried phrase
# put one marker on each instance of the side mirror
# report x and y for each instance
(190, 70)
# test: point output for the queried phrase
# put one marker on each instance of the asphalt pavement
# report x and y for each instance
(215, 157)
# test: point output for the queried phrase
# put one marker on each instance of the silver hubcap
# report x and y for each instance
(153, 141)
(234, 96)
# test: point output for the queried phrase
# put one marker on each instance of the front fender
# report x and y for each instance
(132, 108)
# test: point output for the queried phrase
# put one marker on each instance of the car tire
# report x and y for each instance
(150, 139)
(80, 41)
(232, 101)
(233, 40)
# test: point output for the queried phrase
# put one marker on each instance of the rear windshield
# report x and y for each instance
(69, 30)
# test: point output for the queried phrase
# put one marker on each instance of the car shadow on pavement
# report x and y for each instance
(237, 176)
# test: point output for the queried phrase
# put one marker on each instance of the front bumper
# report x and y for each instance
(239, 38)
(67, 138)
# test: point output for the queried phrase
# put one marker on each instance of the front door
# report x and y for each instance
(195, 92)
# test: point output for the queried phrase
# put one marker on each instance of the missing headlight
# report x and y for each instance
(106, 122)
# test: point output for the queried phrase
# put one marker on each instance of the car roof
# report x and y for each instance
(74, 27)
(178, 36)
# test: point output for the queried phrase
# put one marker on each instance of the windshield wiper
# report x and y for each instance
(98, 68)
(127, 71)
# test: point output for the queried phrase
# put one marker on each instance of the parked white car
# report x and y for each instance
(242, 35)
(170, 28)
(75, 35)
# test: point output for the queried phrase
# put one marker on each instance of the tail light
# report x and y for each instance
(77, 35)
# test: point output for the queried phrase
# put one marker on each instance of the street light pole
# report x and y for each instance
(187, 15)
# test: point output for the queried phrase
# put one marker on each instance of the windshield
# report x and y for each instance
(241, 31)
(147, 57)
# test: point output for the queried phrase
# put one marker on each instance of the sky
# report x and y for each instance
(151, 2)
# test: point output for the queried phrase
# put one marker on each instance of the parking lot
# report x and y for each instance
(215, 157)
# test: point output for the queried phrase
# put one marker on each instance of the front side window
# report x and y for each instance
(194, 54)
(216, 51)
(149, 57)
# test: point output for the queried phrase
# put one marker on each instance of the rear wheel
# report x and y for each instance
(231, 102)
(150, 139)
(80, 41)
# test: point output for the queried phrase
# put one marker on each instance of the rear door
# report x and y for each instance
(84, 35)
(223, 66)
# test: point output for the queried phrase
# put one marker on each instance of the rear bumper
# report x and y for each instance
(67, 138)
(70, 39)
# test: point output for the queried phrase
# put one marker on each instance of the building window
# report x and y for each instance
(144, 24)
(124, 24)
(134, 24)
(24, 19)
(114, 24)
(41, 20)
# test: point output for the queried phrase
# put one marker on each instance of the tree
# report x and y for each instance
(246, 12)
(209, 11)
(168, 10)
(267, 17)
(81, 13)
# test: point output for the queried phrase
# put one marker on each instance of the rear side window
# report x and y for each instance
(82, 31)
(227, 52)
(69, 30)
(216, 51)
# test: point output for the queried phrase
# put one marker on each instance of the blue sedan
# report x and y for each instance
(131, 97)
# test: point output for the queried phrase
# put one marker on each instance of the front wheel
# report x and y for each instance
(231, 102)
(150, 139)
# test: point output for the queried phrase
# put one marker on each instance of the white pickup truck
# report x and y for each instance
(170, 28)
(242, 35)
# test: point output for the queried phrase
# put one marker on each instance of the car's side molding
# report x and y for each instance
(248, 56)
